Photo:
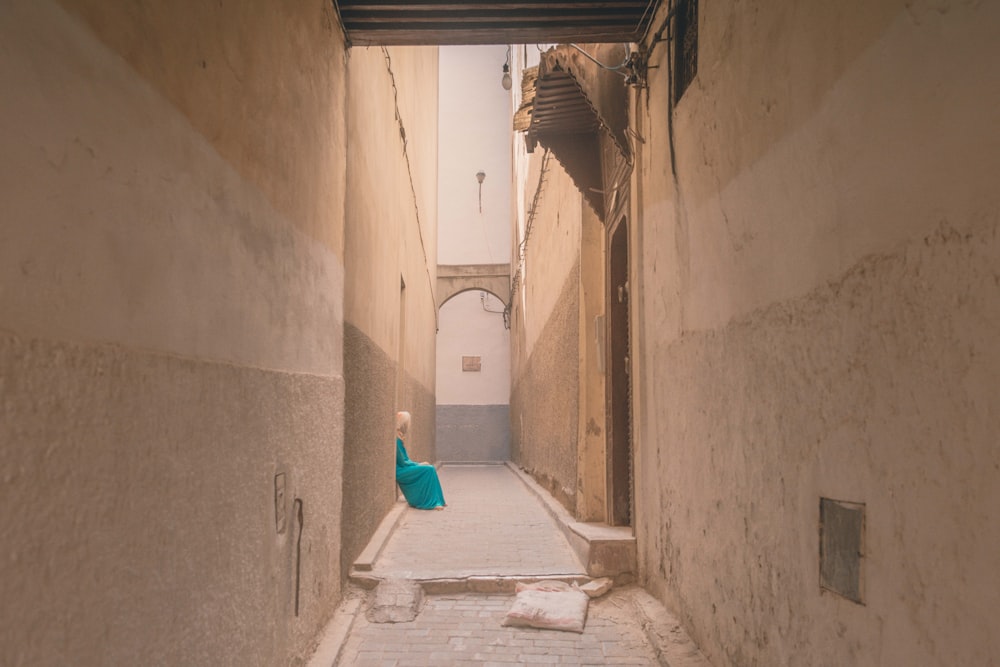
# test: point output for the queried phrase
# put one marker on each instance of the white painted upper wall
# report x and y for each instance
(472, 326)
(474, 136)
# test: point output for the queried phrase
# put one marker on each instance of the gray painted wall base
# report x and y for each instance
(468, 433)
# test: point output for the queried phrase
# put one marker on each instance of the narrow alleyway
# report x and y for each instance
(466, 561)
(493, 526)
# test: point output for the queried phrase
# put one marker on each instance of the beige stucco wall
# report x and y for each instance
(390, 235)
(170, 312)
(818, 315)
(557, 328)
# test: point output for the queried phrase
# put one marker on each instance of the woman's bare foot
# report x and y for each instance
(439, 507)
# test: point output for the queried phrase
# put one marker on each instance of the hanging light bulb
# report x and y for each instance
(506, 80)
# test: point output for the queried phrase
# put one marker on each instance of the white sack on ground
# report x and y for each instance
(549, 605)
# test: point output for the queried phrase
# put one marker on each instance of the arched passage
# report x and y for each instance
(473, 379)
(476, 288)
(454, 279)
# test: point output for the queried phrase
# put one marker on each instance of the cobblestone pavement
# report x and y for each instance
(494, 526)
(465, 629)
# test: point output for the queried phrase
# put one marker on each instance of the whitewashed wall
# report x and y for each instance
(473, 228)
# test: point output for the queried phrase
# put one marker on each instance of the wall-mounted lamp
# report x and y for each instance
(506, 80)
(481, 176)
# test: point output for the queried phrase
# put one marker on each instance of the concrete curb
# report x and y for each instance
(501, 585)
(366, 561)
(673, 646)
(334, 636)
(603, 551)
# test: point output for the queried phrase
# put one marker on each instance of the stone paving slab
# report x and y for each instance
(396, 601)
(492, 525)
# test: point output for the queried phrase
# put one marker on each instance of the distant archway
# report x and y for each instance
(454, 279)
(500, 297)
(472, 387)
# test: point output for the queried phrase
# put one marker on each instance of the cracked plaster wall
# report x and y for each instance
(818, 316)
(171, 308)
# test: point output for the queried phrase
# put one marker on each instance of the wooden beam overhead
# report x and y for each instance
(433, 22)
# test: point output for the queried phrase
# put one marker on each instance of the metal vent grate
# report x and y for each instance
(841, 548)
(685, 46)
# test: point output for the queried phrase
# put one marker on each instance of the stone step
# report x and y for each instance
(605, 551)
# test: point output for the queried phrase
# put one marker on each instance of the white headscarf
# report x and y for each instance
(402, 422)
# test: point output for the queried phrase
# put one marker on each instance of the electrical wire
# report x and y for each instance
(658, 35)
(647, 14)
(616, 69)
(482, 300)
(343, 28)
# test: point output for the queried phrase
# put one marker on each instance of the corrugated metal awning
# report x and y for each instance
(574, 107)
(430, 22)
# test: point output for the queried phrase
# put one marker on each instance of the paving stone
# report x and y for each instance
(396, 601)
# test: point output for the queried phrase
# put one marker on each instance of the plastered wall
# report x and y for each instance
(171, 301)
(390, 240)
(818, 315)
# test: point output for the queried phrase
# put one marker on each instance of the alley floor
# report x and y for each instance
(445, 582)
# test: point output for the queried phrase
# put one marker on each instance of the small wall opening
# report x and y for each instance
(841, 548)
(685, 46)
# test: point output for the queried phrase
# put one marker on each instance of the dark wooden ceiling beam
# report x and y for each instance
(455, 37)
(437, 22)
(404, 19)
(549, 5)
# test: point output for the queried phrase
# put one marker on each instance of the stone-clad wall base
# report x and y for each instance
(369, 437)
(369, 453)
(473, 433)
(139, 522)
(419, 401)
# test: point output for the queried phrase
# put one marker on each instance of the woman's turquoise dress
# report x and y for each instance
(419, 482)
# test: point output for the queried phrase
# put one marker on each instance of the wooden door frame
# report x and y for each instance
(617, 514)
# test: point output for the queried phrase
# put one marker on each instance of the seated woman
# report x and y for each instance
(418, 481)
